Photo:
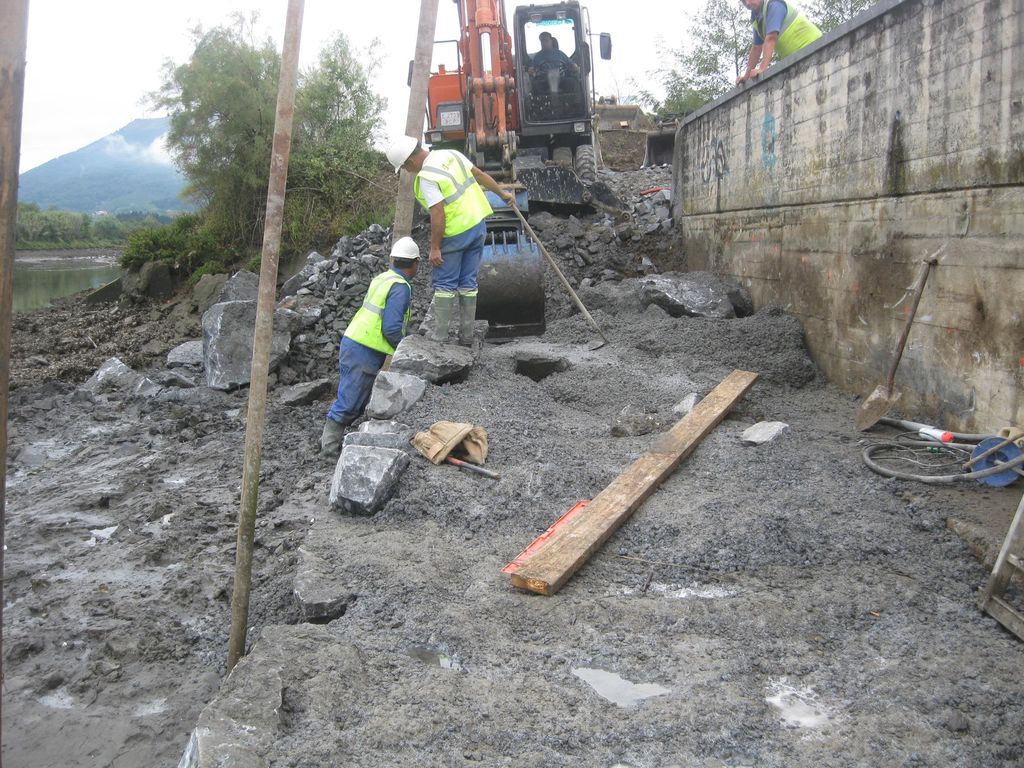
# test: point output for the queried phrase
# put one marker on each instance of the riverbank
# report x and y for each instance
(40, 276)
(777, 605)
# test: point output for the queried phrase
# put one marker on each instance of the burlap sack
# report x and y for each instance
(465, 440)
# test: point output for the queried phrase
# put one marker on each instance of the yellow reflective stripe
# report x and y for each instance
(379, 311)
(460, 190)
(460, 186)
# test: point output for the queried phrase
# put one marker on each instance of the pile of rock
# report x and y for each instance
(326, 293)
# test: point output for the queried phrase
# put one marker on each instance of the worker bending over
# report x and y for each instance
(447, 185)
(779, 27)
(373, 333)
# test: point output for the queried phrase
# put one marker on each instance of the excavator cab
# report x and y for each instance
(553, 66)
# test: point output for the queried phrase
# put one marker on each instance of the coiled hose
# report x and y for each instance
(933, 446)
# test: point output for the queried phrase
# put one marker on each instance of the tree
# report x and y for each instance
(333, 161)
(829, 14)
(706, 67)
(222, 107)
(222, 104)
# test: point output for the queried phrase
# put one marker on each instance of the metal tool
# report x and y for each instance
(885, 395)
(472, 467)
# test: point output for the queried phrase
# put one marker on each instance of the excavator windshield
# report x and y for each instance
(561, 31)
(554, 65)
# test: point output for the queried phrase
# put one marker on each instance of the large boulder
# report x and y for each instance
(187, 355)
(321, 593)
(309, 309)
(153, 280)
(379, 440)
(205, 292)
(365, 478)
(116, 377)
(241, 286)
(695, 294)
(434, 361)
(375, 427)
(306, 393)
(394, 393)
(228, 341)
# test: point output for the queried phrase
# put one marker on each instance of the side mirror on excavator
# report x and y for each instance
(606, 45)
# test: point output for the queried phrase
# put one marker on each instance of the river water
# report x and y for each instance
(41, 276)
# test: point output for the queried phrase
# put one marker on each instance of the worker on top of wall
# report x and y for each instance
(779, 27)
(372, 334)
(447, 185)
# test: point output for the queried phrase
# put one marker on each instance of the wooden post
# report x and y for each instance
(13, 34)
(263, 331)
(417, 106)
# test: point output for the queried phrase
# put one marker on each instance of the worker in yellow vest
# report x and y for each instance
(447, 185)
(779, 27)
(372, 334)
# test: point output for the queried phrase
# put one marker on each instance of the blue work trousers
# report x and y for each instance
(358, 366)
(461, 254)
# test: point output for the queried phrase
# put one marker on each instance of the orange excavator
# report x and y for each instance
(520, 105)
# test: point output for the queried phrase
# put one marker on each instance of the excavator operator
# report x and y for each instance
(548, 60)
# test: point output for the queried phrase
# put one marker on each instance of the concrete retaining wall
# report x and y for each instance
(821, 187)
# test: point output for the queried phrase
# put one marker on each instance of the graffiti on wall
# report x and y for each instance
(768, 134)
(713, 160)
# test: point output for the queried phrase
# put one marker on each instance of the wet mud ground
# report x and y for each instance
(787, 606)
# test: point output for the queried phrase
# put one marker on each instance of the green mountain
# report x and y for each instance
(128, 170)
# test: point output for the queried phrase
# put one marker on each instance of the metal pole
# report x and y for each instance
(263, 331)
(414, 117)
(13, 34)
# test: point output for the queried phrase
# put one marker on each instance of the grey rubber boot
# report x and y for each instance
(331, 438)
(443, 306)
(467, 318)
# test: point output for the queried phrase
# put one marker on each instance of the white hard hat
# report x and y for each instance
(400, 150)
(405, 249)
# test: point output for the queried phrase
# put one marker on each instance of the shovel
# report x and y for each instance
(576, 299)
(885, 395)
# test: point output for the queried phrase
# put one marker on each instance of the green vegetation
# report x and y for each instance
(45, 230)
(222, 105)
(186, 243)
(703, 70)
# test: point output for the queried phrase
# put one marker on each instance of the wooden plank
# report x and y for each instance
(1012, 545)
(570, 546)
(1006, 614)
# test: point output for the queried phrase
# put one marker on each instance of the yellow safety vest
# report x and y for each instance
(465, 204)
(367, 325)
(797, 30)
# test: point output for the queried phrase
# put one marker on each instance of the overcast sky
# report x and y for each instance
(91, 63)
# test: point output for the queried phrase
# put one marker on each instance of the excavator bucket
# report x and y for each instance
(559, 186)
(511, 277)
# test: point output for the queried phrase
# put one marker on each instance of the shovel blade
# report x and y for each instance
(875, 407)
